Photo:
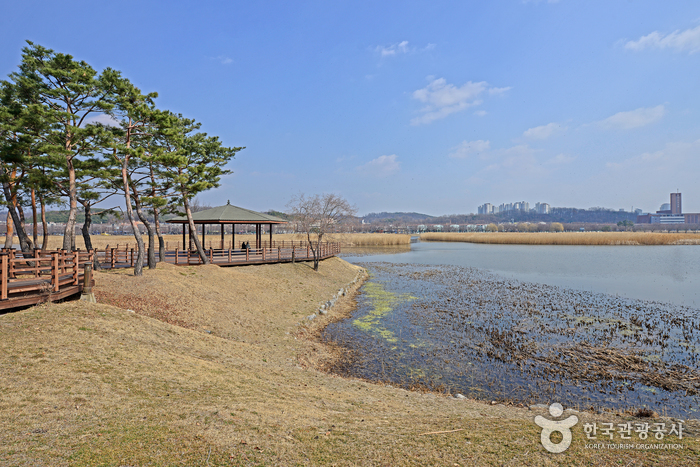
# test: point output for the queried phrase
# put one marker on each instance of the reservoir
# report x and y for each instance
(666, 273)
(591, 327)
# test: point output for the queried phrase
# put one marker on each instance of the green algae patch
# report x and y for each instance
(382, 302)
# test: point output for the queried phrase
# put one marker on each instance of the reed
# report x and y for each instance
(213, 240)
(566, 238)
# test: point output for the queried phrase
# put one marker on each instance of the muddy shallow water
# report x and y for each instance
(466, 330)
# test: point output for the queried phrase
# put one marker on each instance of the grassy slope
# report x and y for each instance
(86, 384)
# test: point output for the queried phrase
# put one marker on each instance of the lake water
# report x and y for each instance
(668, 273)
(590, 327)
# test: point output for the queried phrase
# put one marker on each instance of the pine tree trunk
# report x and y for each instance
(24, 241)
(35, 227)
(161, 242)
(69, 232)
(9, 230)
(138, 265)
(86, 227)
(193, 231)
(149, 229)
(44, 225)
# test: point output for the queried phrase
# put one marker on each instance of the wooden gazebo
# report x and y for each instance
(228, 214)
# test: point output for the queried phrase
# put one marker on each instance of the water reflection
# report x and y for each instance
(660, 273)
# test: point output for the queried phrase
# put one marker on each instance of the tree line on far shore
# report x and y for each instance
(71, 133)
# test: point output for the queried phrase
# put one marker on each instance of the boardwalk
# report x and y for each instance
(55, 275)
(41, 277)
(279, 252)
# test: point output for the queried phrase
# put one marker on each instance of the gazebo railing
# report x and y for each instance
(277, 253)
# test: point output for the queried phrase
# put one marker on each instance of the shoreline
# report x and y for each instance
(567, 238)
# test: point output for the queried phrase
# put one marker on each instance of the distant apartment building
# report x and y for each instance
(522, 206)
(543, 208)
(486, 208)
(670, 213)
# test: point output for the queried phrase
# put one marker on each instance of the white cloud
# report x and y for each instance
(679, 40)
(382, 166)
(443, 99)
(634, 118)
(393, 49)
(400, 48)
(672, 159)
(468, 148)
(480, 113)
(103, 119)
(499, 91)
(543, 132)
(223, 59)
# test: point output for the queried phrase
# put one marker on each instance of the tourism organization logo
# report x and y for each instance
(600, 435)
(549, 427)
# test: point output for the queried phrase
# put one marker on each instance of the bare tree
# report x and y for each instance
(317, 216)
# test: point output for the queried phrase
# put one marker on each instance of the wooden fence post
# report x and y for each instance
(111, 259)
(293, 252)
(247, 250)
(229, 255)
(177, 254)
(132, 257)
(37, 264)
(54, 270)
(11, 273)
(76, 260)
(5, 271)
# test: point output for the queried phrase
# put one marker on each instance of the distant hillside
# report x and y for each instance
(396, 217)
(61, 217)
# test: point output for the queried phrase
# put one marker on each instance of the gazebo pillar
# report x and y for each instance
(221, 228)
(204, 236)
(233, 236)
(270, 235)
(183, 237)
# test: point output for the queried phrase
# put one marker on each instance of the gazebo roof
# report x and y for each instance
(229, 214)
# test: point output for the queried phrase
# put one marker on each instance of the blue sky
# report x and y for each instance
(434, 107)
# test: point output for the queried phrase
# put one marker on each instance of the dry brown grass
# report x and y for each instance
(213, 369)
(567, 238)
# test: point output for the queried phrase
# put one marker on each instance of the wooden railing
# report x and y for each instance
(42, 272)
(283, 251)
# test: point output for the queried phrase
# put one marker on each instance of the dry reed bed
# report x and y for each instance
(213, 240)
(567, 238)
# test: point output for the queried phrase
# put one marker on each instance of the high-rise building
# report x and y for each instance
(676, 209)
(486, 208)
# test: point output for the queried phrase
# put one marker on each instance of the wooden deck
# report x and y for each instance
(291, 252)
(41, 277)
(55, 275)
